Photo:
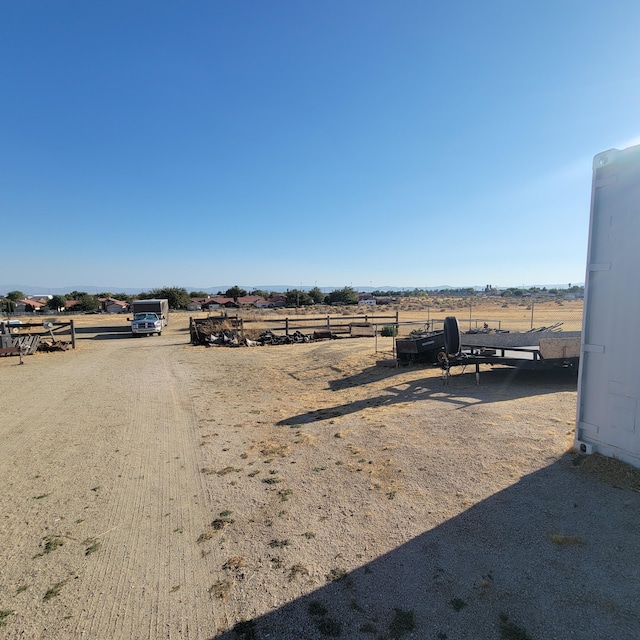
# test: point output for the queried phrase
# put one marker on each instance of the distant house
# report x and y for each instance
(69, 304)
(277, 302)
(217, 302)
(28, 305)
(252, 301)
(366, 299)
(194, 305)
(110, 305)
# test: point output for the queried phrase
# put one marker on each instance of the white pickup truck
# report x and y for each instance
(149, 316)
(146, 323)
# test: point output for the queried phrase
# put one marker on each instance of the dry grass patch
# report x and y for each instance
(269, 448)
(220, 589)
(235, 563)
(305, 438)
(610, 470)
(4, 614)
(567, 541)
(54, 591)
(221, 472)
(297, 570)
(510, 630)
(49, 544)
(92, 545)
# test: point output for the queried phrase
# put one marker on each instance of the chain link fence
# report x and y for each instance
(514, 314)
(526, 314)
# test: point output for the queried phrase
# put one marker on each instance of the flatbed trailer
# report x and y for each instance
(530, 350)
(528, 358)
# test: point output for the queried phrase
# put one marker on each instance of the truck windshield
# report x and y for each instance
(145, 316)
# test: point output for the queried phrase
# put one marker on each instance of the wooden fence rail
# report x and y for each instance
(335, 324)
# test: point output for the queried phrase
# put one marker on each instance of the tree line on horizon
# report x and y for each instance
(179, 297)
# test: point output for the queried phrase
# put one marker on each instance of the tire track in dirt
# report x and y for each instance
(150, 577)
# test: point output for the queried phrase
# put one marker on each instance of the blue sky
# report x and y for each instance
(405, 143)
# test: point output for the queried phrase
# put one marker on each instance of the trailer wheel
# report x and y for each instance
(451, 336)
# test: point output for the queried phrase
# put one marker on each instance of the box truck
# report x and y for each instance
(149, 316)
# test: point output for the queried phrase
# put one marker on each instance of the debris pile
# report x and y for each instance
(553, 327)
(55, 345)
(268, 337)
(216, 331)
(485, 329)
(230, 332)
(27, 344)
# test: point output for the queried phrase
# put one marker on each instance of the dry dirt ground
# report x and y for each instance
(152, 489)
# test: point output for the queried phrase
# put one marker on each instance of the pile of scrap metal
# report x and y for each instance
(268, 337)
(55, 345)
(485, 329)
(554, 327)
(229, 332)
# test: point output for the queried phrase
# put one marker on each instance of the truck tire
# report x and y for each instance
(451, 336)
(159, 333)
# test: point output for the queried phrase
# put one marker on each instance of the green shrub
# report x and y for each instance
(389, 331)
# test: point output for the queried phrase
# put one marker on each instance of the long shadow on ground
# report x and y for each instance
(104, 332)
(552, 556)
(497, 385)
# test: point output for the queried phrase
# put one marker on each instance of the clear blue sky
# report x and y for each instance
(197, 143)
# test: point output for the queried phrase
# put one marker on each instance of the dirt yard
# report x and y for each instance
(153, 489)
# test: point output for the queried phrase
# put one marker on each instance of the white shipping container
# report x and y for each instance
(609, 378)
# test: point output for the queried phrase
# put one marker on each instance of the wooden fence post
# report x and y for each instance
(73, 334)
(533, 304)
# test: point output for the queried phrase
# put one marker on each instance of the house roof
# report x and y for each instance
(224, 300)
(250, 299)
(33, 303)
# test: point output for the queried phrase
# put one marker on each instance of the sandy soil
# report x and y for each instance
(152, 489)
